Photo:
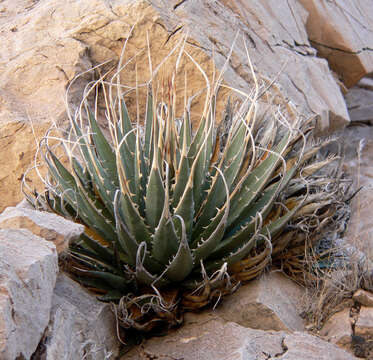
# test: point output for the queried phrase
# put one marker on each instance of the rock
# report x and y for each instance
(81, 327)
(341, 32)
(363, 334)
(363, 297)
(18, 143)
(271, 302)
(338, 329)
(359, 101)
(209, 338)
(28, 271)
(49, 226)
(359, 169)
(276, 35)
(45, 44)
(364, 324)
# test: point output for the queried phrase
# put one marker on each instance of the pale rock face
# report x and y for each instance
(45, 44)
(81, 327)
(28, 272)
(271, 302)
(364, 324)
(359, 101)
(341, 31)
(363, 297)
(50, 227)
(207, 337)
(276, 35)
(338, 329)
(17, 150)
(359, 139)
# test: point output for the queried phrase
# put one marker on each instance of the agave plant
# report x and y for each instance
(169, 207)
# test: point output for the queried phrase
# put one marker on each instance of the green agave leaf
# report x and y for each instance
(133, 221)
(255, 182)
(212, 235)
(186, 132)
(125, 239)
(111, 296)
(165, 240)
(83, 206)
(103, 183)
(115, 281)
(197, 140)
(185, 210)
(104, 150)
(181, 181)
(126, 164)
(126, 126)
(140, 177)
(182, 264)
(148, 126)
(155, 195)
(106, 254)
(142, 275)
(215, 196)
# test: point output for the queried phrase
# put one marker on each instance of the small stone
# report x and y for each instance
(364, 324)
(338, 330)
(363, 297)
(49, 226)
(271, 302)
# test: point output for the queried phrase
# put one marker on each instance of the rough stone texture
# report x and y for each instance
(28, 271)
(209, 338)
(46, 43)
(50, 227)
(359, 101)
(338, 329)
(17, 150)
(360, 169)
(342, 33)
(269, 303)
(364, 324)
(363, 297)
(276, 34)
(81, 327)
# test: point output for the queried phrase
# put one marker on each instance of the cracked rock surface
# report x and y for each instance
(28, 272)
(46, 43)
(201, 338)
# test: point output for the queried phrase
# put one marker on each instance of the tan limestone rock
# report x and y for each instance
(207, 337)
(50, 227)
(276, 35)
(271, 302)
(363, 297)
(18, 144)
(338, 329)
(364, 324)
(341, 31)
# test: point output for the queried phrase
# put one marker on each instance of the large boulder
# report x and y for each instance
(80, 327)
(208, 337)
(28, 272)
(45, 44)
